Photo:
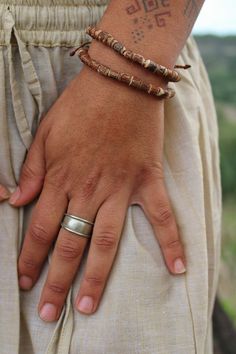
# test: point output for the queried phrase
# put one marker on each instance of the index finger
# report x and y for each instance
(43, 229)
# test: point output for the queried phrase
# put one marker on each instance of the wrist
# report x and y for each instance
(108, 92)
(155, 46)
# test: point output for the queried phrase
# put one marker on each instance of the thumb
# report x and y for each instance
(31, 177)
(4, 193)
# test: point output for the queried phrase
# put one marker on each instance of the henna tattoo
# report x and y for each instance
(135, 7)
(165, 3)
(137, 34)
(150, 5)
(160, 18)
(143, 21)
(191, 10)
(156, 13)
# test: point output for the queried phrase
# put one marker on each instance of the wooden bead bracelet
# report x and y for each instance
(127, 78)
(110, 41)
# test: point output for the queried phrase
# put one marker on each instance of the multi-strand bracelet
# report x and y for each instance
(127, 78)
(110, 41)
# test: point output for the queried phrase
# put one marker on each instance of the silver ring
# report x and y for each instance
(77, 225)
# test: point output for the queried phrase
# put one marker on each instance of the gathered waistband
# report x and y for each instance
(49, 23)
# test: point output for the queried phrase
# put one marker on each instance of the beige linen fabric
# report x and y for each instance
(144, 310)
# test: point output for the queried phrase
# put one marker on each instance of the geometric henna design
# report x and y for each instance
(131, 9)
(160, 18)
(165, 3)
(150, 5)
(190, 6)
(137, 35)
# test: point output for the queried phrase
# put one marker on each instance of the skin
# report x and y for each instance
(98, 175)
(4, 193)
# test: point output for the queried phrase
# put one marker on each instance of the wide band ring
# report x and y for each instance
(77, 225)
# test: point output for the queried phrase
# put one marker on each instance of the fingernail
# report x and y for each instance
(48, 312)
(25, 282)
(179, 266)
(15, 196)
(86, 304)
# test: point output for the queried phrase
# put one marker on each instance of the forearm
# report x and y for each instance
(156, 29)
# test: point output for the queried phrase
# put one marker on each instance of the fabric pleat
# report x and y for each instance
(144, 309)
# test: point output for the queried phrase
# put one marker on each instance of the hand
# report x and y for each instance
(4, 193)
(97, 151)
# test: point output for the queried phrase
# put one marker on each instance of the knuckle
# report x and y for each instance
(68, 249)
(27, 263)
(27, 172)
(89, 186)
(122, 175)
(2, 189)
(39, 235)
(151, 173)
(173, 244)
(115, 181)
(163, 216)
(94, 280)
(121, 178)
(106, 240)
(56, 181)
(57, 288)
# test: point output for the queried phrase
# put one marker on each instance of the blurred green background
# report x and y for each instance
(219, 55)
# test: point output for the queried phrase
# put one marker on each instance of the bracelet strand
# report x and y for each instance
(110, 41)
(126, 78)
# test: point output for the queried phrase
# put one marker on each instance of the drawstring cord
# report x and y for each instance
(31, 80)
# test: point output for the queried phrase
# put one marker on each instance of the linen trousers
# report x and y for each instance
(144, 309)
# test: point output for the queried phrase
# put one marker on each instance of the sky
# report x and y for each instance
(217, 16)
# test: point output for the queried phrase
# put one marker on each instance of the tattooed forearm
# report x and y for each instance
(161, 18)
(150, 14)
(133, 8)
(147, 14)
(146, 5)
(150, 5)
(157, 29)
(192, 9)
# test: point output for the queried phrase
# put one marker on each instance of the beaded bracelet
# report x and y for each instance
(127, 78)
(110, 41)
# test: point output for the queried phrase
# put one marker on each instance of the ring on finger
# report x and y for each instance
(77, 225)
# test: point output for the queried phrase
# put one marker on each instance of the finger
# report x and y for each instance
(43, 229)
(65, 261)
(156, 205)
(102, 251)
(4, 193)
(31, 177)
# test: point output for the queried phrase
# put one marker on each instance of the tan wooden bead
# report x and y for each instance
(110, 41)
(126, 78)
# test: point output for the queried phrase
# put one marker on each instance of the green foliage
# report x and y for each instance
(229, 309)
(219, 54)
(229, 239)
(227, 130)
(228, 274)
